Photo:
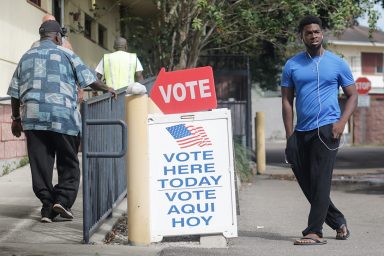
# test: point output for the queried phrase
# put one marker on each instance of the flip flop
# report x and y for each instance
(339, 234)
(315, 241)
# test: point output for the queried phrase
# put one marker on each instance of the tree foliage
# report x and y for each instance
(181, 30)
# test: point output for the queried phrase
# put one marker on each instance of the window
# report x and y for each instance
(88, 26)
(56, 10)
(371, 63)
(40, 4)
(35, 2)
(102, 36)
(354, 62)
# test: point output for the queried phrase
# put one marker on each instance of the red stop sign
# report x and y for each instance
(183, 91)
(363, 85)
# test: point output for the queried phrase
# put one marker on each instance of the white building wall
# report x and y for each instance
(20, 22)
(19, 26)
(88, 48)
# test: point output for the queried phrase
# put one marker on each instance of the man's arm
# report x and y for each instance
(16, 122)
(139, 76)
(287, 96)
(350, 106)
(100, 86)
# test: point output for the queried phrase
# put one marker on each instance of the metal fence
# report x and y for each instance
(233, 91)
(104, 142)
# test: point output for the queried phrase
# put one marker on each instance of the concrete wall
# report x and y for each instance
(271, 106)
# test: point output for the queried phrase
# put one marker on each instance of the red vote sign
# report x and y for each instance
(363, 85)
(183, 91)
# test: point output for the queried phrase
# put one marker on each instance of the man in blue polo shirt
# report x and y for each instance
(314, 76)
(45, 83)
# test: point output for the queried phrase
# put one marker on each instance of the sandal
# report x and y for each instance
(343, 232)
(309, 241)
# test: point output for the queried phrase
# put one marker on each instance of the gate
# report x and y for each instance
(103, 161)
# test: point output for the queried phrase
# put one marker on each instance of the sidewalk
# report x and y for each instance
(273, 212)
(22, 233)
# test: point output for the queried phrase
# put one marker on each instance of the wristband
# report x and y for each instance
(14, 118)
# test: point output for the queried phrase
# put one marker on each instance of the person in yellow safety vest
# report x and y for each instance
(120, 68)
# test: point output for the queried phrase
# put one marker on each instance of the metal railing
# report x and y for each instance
(103, 156)
(103, 161)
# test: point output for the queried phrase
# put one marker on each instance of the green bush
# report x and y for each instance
(242, 162)
(23, 161)
(6, 169)
(10, 166)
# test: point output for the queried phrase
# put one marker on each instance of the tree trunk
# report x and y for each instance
(195, 50)
(185, 20)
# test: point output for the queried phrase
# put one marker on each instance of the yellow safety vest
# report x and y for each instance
(119, 69)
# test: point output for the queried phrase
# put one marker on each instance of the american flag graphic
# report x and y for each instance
(188, 135)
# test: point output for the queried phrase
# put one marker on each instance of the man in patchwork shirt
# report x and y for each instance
(45, 86)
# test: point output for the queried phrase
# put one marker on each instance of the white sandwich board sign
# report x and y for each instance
(192, 189)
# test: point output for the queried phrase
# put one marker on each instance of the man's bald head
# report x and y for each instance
(120, 44)
(48, 17)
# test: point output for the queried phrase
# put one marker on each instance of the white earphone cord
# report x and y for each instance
(318, 114)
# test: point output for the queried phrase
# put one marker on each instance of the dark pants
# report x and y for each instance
(42, 147)
(312, 163)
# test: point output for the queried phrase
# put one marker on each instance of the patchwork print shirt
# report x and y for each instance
(45, 81)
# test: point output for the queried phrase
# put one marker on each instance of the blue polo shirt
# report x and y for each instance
(316, 102)
(45, 81)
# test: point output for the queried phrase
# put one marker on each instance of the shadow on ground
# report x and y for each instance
(348, 157)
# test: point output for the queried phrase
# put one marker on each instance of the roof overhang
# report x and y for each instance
(351, 43)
